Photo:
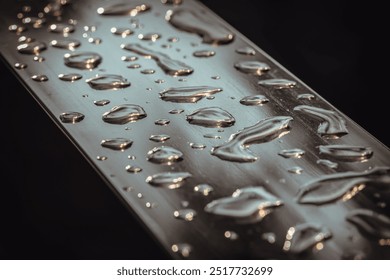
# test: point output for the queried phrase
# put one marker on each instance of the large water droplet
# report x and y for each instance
(121, 9)
(252, 67)
(169, 65)
(188, 94)
(123, 114)
(71, 77)
(204, 53)
(69, 44)
(204, 189)
(183, 249)
(254, 100)
(185, 214)
(246, 51)
(344, 185)
(304, 236)
(40, 78)
(83, 60)
(20, 66)
(159, 138)
(347, 153)
(327, 163)
(333, 125)
(211, 117)
(278, 83)
(121, 31)
(164, 155)
(199, 23)
(119, 144)
(108, 81)
(373, 224)
(292, 153)
(61, 28)
(169, 180)
(247, 205)
(264, 131)
(34, 47)
(71, 117)
(149, 36)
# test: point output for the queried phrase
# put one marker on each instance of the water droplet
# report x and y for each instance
(343, 185)
(295, 170)
(17, 28)
(149, 36)
(211, 117)
(173, 39)
(188, 94)
(24, 39)
(204, 53)
(204, 189)
(246, 51)
(278, 83)
(305, 96)
(176, 111)
(211, 136)
(264, 131)
(215, 77)
(231, 235)
(185, 214)
(101, 102)
(89, 28)
(119, 144)
(134, 66)
(162, 122)
(139, 195)
(39, 78)
(39, 58)
(252, 67)
(292, 153)
(71, 117)
(95, 40)
(121, 31)
(129, 58)
(20, 66)
(71, 77)
(305, 236)
(61, 28)
(333, 125)
(327, 163)
(254, 100)
(172, 2)
(197, 146)
(167, 64)
(131, 157)
(346, 152)
(83, 60)
(122, 9)
(247, 205)
(69, 44)
(159, 81)
(199, 23)
(124, 113)
(36, 22)
(101, 158)
(183, 249)
(169, 180)
(105, 82)
(164, 155)
(159, 138)
(270, 237)
(148, 71)
(133, 169)
(34, 47)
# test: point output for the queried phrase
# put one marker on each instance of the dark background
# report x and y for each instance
(54, 206)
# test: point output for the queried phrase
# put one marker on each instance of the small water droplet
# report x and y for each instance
(327, 163)
(119, 144)
(172, 2)
(204, 53)
(211, 117)
(149, 36)
(95, 40)
(34, 47)
(101, 158)
(204, 189)
(159, 138)
(139, 195)
(183, 249)
(128, 189)
(71, 77)
(173, 39)
(134, 66)
(278, 83)
(211, 136)
(164, 155)
(292, 153)
(108, 81)
(133, 169)
(39, 78)
(39, 59)
(169, 180)
(61, 28)
(254, 100)
(215, 77)
(90, 28)
(197, 146)
(305, 96)
(295, 170)
(101, 102)
(36, 22)
(159, 81)
(185, 214)
(346, 153)
(24, 39)
(71, 117)
(132, 157)
(162, 122)
(69, 44)
(270, 237)
(231, 235)
(184, 203)
(121, 9)
(121, 31)
(188, 94)
(20, 66)
(124, 114)
(129, 58)
(246, 51)
(82, 60)
(252, 67)
(148, 71)
(176, 111)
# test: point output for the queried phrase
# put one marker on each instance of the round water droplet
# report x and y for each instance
(231, 235)
(169, 180)
(185, 214)
(39, 78)
(129, 58)
(254, 100)
(197, 146)
(71, 117)
(119, 144)
(164, 155)
(133, 169)
(124, 114)
(20, 66)
(305, 96)
(71, 77)
(121, 31)
(84, 60)
(101, 158)
(148, 71)
(211, 117)
(204, 53)
(95, 40)
(159, 138)
(34, 47)
(69, 44)
(162, 122)
(183, 249)
(252, 67)
(204, 189)
(149, 36)
(61, 28)
(101, 102)
(246, 51)
(292, 153)
(108, 81)
(134, 66)
(39, 59)
(295, 170)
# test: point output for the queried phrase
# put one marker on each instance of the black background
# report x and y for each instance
(54, 206)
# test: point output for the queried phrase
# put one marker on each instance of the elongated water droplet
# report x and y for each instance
(162, 122)
(270, 237)
(34, 47)
(101, 158)
(20, 66)
(122, 9)
(278, 83)
(39, 78)
(346, 152)
(83, 60)
(215, 77)
(247, 205)
(327, 163)
(121, 31)
(36, 22)
(185, 214)
(159, 138)
(264, 131)
(168, 180)
(172, 2)
(133, 168)
(148, 71)
(373, 224)
(167, 64)
(199, 23)
(252, 67)
(295, 170)
(71, 77)
(108, 81)
(211, 136)
(246, 51)
(69, 44)
(124, 114)
(254, 100)
(149, 36)
(304, 236)
(119, 144)
(71, 117)
(173, 39)
(183, 249)
(134, 66)
(17, 28)
(204, 53)
(95, 40)
(164, 155)
(176, 111)
(25, 39)
(231, 235)
(332, 126)
(129, 58)
(101, 102)
(305, 96)
(188, 94)
(211, 117)
(61, 28)
(204, 189)
(344, 185)
(292, 153)
(197, 146)
(39, 58)
(159, 81)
